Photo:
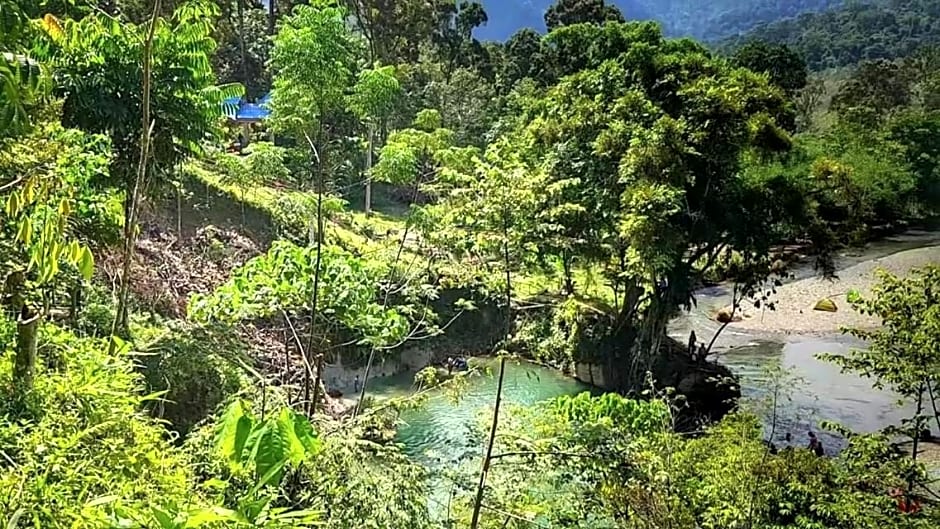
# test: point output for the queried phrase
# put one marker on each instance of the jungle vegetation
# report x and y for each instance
(424, 187)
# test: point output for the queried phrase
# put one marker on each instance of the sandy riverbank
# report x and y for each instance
(794, 312)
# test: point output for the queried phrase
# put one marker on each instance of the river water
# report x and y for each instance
(441, 433)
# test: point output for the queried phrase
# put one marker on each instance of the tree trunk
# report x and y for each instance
(916, 443)
(320, 154)
(478, 503)
(27, 340)
(179, 211)
(316, 386)
(130, 233)
(241, 43)
(369, 169)
(933, 403)
(272, 16)
(566, 267)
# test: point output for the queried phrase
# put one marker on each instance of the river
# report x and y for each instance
(442, 433)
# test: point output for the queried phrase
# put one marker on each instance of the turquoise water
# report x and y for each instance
(442, 433)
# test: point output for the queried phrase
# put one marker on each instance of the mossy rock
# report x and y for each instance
(826, 305)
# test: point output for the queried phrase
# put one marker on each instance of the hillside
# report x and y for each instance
(445, 284)
(856, 32)
(702, 20)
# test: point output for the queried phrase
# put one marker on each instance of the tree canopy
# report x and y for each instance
(557, 199)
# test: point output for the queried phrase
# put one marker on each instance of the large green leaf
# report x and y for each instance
(294, 448)
(233, 433)
(306, 434)
(86, 264)
(270, 453)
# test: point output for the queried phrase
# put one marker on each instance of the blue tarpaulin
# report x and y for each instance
(243, 111)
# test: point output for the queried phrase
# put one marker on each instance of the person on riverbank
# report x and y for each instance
(815, 445)
(356, 384)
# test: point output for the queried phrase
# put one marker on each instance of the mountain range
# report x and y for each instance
(701, 19)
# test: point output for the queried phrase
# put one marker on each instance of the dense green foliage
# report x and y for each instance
(612, 462)
(639, 179)
(279, 282)
(81, 435)
(568, 12)
(855, 32)
(97, 65)
(785, 68)
(903, 354)
(579, 187)
(721, 17)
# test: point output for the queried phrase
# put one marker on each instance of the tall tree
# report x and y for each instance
(44, 179)
(917, 132)
(904, 354)
(569, 12)
(99, 74)
(395, 29)
(22, 80)
(654, 169)
(373, 100)
(423, 156)
(875, 90)
(524, 58)
(468, 102)
(785, 68)
(453, 34)
(313, 59)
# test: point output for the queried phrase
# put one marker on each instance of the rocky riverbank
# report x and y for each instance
(794, 302)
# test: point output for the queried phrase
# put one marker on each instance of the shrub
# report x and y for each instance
(80, 435)
(196, 367)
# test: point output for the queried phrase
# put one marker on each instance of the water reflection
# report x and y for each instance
(443, 432)
(814, 390)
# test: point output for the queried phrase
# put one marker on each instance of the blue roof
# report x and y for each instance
(238, 110)
(250, 112)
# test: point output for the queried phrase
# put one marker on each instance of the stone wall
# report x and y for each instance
(592, 374)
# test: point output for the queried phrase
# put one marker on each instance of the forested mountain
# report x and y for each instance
(844, 36)
(200, 294)
(704, 20)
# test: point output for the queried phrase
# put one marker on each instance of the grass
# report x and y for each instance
(379, 232)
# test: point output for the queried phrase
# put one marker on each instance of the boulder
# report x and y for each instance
(724, 316)
(826, 305)
(728, 315)
(711, 392)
